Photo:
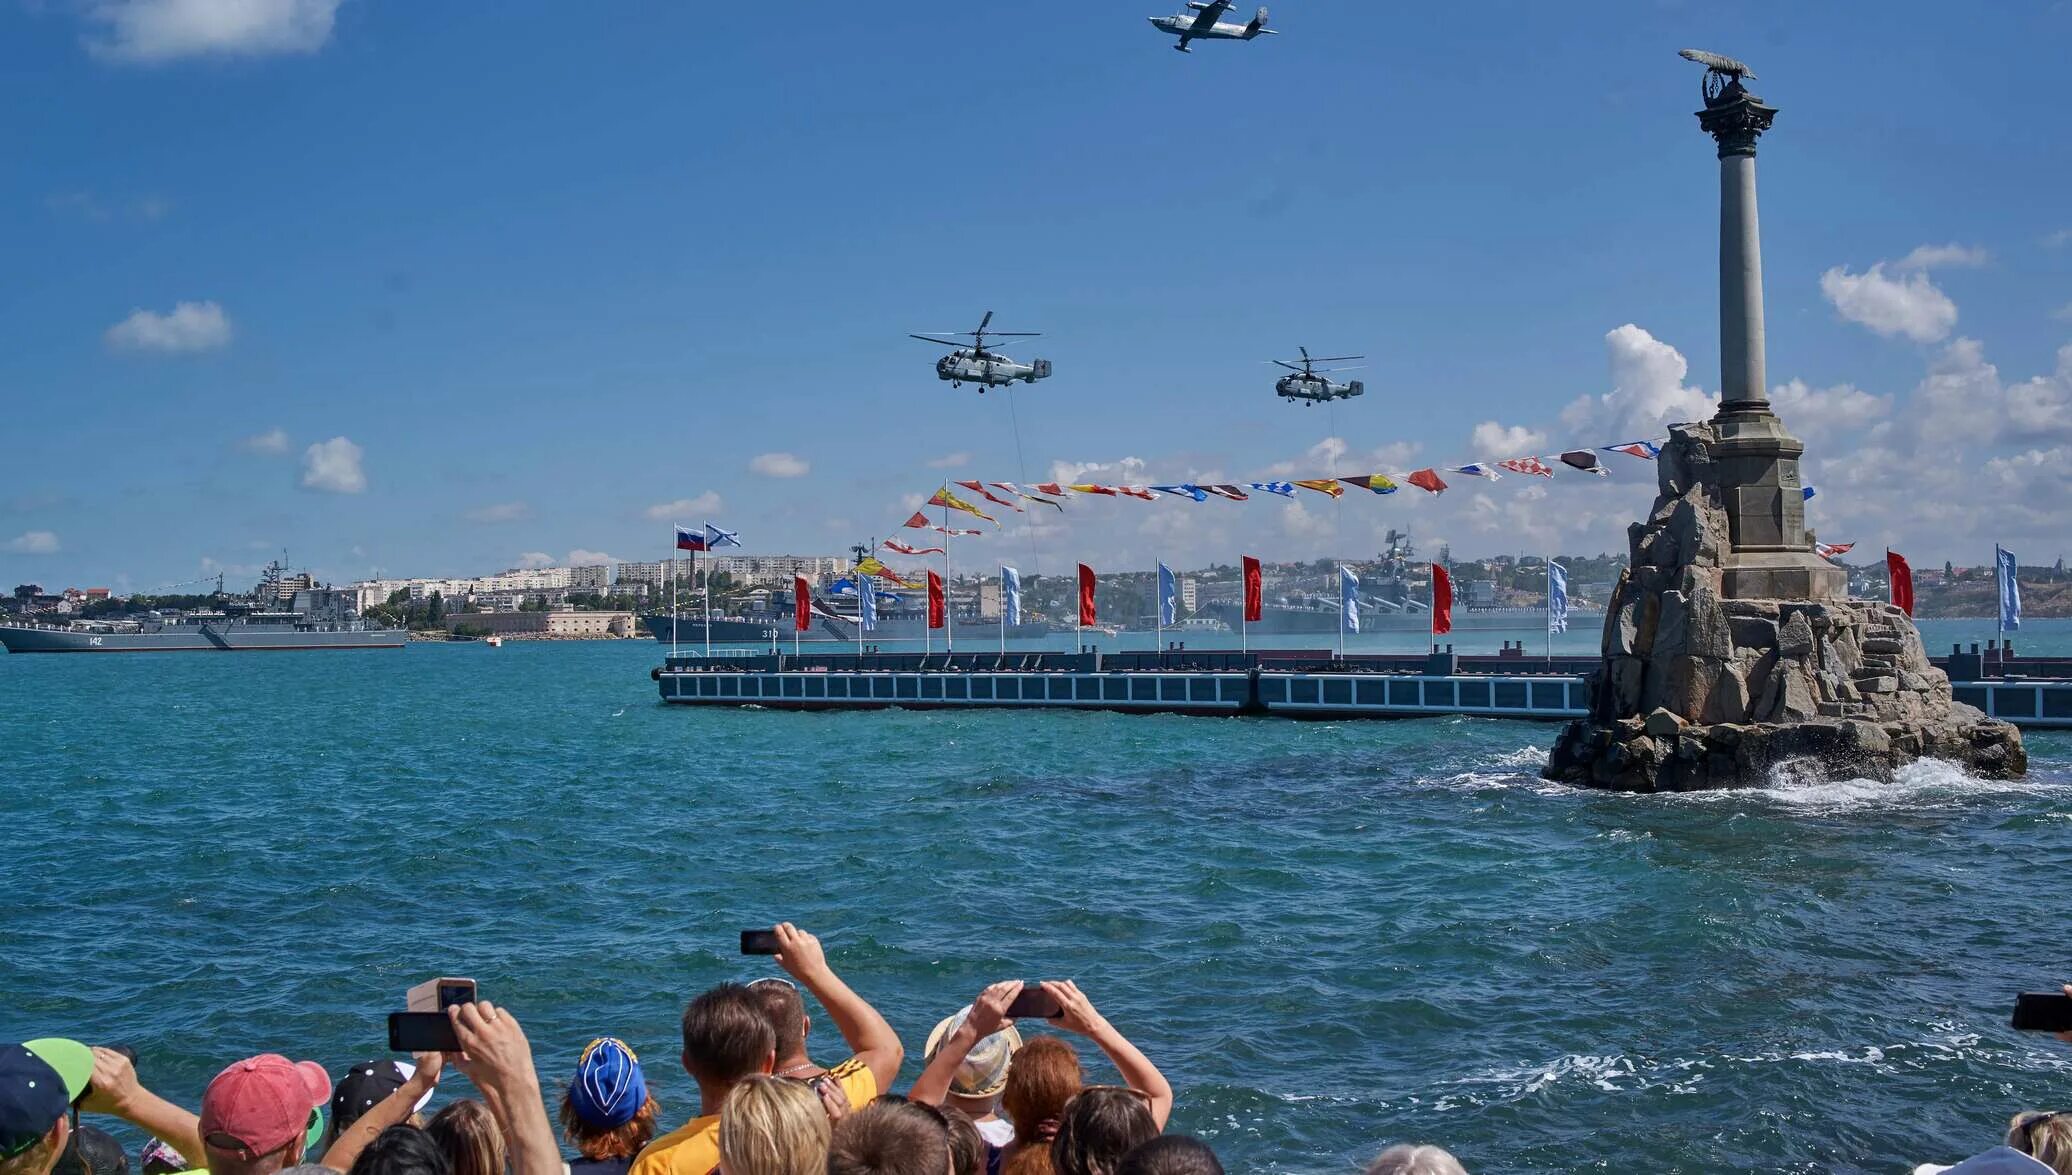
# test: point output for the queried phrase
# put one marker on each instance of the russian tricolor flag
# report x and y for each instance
(690, 540)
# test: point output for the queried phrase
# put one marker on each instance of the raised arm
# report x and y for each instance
(988, 1016)
(117, 1091)
(498, 1059)
(867, 1033)
(387, 1112)
(1078, 1015)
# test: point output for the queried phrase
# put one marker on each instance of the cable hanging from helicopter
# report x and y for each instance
(1311, 384)
(975, 363)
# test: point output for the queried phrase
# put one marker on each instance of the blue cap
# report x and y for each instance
(608, 1089)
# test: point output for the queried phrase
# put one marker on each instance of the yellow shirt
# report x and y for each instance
(693, 1148)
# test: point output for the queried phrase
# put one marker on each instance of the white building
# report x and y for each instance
(593, 578)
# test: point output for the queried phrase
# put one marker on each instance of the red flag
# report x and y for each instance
(935, 605)
(802, 604)
(1442, 601)
(1253, 593)
(1087, 616)
(919, 521)
(1902, 578)
(1427, 479)
(979, 488)
(1050, 487)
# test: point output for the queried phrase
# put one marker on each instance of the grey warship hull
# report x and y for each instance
(183, 638)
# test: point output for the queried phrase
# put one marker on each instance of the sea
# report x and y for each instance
(1330, 936)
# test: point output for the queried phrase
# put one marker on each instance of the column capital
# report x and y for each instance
(1735, 119)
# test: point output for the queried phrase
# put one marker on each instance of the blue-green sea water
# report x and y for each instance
(1330, 936)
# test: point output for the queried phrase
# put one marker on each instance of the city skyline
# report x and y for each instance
(295, 288)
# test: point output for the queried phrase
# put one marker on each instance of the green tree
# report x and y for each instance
(435, 610)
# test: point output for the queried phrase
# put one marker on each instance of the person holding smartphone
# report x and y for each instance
(1061, 1005)
(875, 1050)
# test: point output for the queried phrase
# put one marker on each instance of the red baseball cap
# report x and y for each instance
(258, 1106)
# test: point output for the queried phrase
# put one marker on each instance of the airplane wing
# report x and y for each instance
(1208, 16)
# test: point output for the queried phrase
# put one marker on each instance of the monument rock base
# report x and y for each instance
(1698, 690)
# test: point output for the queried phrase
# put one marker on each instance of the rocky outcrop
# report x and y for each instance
(1700, 691)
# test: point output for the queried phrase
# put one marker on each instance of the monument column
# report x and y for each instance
(1758, 460)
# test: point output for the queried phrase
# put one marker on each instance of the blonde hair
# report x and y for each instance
(469, 1135)
(39, 1158)
(773, 1126)
(2047, 1138)
(1415, 1160)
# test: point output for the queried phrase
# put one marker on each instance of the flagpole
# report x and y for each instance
(1341, 611)
(1003, 612)
(706, 588)
(1158, 600)
(672, 589)
(1999, 607)
(949, 622)
(1550, 608)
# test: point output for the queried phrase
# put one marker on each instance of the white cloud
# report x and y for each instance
(1910, 306)
(1648, 391)
(951, 461)
(272, 443)
(190, 326)
(1825, 413)
(2063, 313)
(1950, 256)
(34, 542)
(533, 560)
(1491, 439)
(682, 508)
(500, 512)
(2058, 239)
(333, 466)
(149, 31)
(582, 558)
(780, 465)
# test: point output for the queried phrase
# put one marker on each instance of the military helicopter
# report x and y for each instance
(1309, 385)
(975, 364)
(1203, 24)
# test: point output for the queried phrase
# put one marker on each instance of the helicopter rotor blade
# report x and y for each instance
(1335, 370)
(1286, 364)
(1337, 358)
(985, 322)
(1305, 352)
(939, 342)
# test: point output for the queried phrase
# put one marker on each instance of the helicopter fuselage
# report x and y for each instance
(1316, 389)
(988, 369)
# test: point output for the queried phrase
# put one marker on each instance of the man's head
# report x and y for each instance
(978, 1082)
(262, 1114)
(890, 1137)
(727, 1036)
(364, 1086)
(786, 1009)
(401, 1150)
(1171, 1154)
(39, 1081)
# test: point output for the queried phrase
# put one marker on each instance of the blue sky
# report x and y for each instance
(557, 276)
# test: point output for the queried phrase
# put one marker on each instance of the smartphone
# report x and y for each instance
(1033, 1003)
(758, 942)
(422, 1032)
(2042, 1011)
(88, 1092)
(437, 995)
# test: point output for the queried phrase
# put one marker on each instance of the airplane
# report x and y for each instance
(1309, 384)
(975, 364)
(1202, 24)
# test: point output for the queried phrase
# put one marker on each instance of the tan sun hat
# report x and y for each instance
(984, 1071)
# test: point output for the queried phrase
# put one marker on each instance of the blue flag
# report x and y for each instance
(1349, 598)
(1010, 595)
(867, 604)
(1557, 597)
(1806, 494)
(1168, 597)
(715, 538)
(2004, 567)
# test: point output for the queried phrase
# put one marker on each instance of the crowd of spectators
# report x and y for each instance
(988, 1101)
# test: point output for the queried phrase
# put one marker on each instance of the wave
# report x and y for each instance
(1922, 785)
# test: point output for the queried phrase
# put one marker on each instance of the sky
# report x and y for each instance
(430, 289)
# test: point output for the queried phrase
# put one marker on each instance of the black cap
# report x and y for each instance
(360, 1089)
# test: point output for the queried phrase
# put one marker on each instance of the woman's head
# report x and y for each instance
(402, 1150)
(1101, 1125)
(1044, 1077)
(1415, 1160)
(607, 1112)
(470, 1138)
(2047, 1138)
(772, 1126)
